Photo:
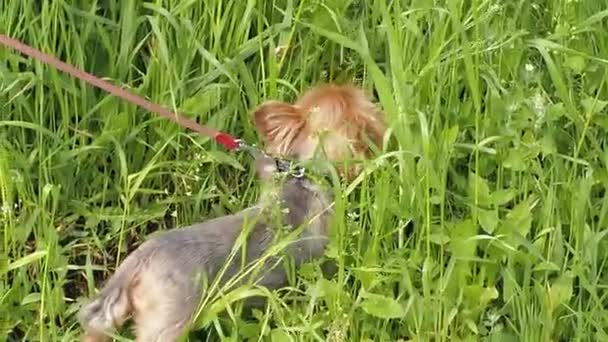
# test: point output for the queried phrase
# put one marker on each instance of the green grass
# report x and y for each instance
(485, 221)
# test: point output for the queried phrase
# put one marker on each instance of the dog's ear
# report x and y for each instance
(278, 123)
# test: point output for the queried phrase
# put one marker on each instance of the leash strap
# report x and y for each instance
(224, 139)
(228, 141)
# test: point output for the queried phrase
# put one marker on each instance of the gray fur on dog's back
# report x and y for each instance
(161, 281)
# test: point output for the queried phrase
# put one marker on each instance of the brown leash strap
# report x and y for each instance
(224, 139)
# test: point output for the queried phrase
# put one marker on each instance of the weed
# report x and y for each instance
(485, 219)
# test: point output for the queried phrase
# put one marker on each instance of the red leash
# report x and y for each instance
(224, 139)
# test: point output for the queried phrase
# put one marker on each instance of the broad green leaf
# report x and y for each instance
(479, 296)
(519, 219)
(488, 294)
(440, 239)
(249, 330)
(382, 306)
(279, 335)
(488, 219)
(576, 63)
(450, 135)
(324, 288)
(593, 106)
(560, 292)
(555, 111)
(307, 271)
(601, 121)
(516, 160)
(462, 244)
(479, 186)
(220, 305)
(26, 260)
(547, 145)
(120, 122)
(31, 298)
(502, 196)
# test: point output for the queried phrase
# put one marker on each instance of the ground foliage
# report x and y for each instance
(484, 219)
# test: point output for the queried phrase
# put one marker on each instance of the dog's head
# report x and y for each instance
(332, 122)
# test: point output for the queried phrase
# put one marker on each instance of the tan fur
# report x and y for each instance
(334, 118)
(157, 284)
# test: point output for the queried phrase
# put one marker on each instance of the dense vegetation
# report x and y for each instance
(485, 219)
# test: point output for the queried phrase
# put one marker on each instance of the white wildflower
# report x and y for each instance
(539, 107)
(529, 67)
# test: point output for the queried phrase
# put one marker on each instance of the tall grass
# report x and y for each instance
(485, 219)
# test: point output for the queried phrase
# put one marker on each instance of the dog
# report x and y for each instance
(161, 283)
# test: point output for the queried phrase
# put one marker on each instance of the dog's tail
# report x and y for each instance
(112, 306)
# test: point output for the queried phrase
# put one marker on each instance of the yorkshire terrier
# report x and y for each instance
(161, 284)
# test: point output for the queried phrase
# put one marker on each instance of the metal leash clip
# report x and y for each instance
(286, 166)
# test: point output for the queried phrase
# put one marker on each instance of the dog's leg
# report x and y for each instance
(164, 323)
(95, 337)
(163, 308)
